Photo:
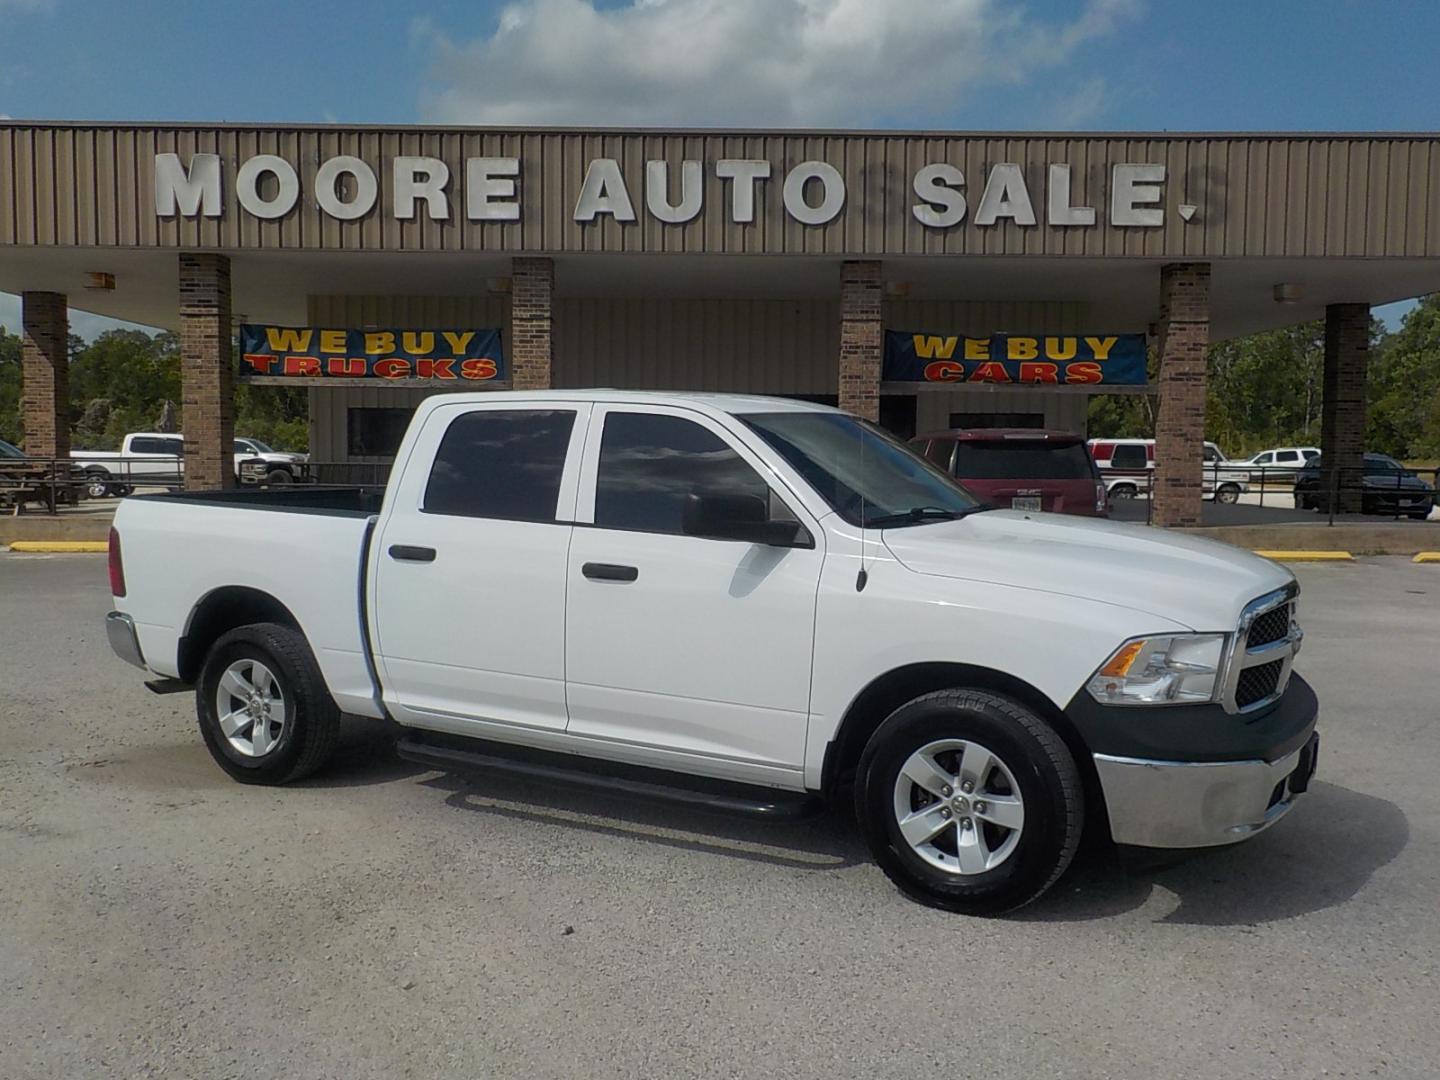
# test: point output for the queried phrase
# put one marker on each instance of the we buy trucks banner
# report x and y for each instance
(469, 355)
(1061, 359)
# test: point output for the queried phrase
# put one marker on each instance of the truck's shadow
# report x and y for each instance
(1319, 856)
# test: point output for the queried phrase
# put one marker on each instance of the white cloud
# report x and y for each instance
(779, 63)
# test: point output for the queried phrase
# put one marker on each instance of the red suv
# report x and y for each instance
(1020, 468)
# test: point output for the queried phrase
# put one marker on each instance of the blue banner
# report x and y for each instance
(1058, 359)
(310, 352)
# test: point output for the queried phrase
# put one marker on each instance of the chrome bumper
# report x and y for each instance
(1187, 804)
(120, 629)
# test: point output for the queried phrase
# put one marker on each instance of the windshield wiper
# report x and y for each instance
(917, 514)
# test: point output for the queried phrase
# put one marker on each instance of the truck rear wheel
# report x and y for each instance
(969, 802)
(264, 712)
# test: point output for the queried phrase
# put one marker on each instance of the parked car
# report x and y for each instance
(1388, 487)
(279, 466)
(721, 600)
(24, 479)
(1279, 464)
(148, 457)
(1128, 466)
(1022, 468)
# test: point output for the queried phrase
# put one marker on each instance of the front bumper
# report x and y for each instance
(1188, 804)
(125, 643)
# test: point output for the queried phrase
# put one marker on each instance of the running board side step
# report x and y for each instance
(448, 754)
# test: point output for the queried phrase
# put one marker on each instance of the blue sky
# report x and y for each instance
(1263, 65)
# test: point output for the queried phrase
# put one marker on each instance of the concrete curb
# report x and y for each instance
(60, 545)
(1427, 556)
(1307, 556)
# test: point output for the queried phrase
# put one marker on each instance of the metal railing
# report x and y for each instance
(42, 484)
(1393, 495)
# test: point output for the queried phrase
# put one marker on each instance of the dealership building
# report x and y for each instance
(921, 279)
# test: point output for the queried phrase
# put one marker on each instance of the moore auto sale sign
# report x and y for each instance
(813, 192)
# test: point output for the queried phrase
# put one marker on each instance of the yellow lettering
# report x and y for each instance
(1101, 346)
(459, 343)
(1023, 348)
(934, 348)
(977, 348)
(422, 342)
(332, 341)
(284, 339)
(1060, 348)
(379, 341)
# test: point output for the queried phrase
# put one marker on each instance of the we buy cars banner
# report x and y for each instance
(1061, 359)
(313, 352)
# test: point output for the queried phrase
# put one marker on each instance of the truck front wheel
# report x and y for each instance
(263, 708)
(969, 801)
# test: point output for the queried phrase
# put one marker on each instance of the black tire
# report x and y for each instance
(1044, 772)
(1228, 494)
(311, 727)
(98, 484)
(279, 476)
(1123, 491)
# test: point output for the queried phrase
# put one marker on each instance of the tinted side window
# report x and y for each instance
(1287, 457)
(503, 464)
(1129, 456)
(649, 464)
(941, 452)
(157, 446)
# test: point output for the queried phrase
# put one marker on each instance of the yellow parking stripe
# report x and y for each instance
(1308, 556)
(59, 545)
(1427, 556)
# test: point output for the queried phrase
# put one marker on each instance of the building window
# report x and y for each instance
(375, 432)
(505, 464)
(649, 464)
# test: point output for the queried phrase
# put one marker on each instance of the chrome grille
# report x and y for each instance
(1266, 640)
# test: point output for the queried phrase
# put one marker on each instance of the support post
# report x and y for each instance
(861, 339)
(207, 377)
(1342, 413)
(532, 286)
(1184, 339)
(45, 374)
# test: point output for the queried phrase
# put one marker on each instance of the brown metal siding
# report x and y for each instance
(1258, 196)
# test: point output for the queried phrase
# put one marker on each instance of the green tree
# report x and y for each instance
(1404, 393)
(9, 387)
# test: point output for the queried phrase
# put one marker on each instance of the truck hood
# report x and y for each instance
(1199, 583)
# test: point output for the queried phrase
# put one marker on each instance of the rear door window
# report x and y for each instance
(1020, 459)
(154, 445)
(1129, 456)
(501, 463)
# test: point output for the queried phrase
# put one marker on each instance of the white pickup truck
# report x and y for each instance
(154, 457)
(743, 602)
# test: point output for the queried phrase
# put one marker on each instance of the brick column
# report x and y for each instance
(1184, 338)
(860, 339)
(532, 284)
(1342, 413)
(45, 374)
(207, 377)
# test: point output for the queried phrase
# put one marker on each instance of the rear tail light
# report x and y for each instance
(117, 568)
(1099, 496)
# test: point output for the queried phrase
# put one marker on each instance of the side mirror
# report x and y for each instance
(739, 517)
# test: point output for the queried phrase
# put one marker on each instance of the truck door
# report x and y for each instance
(468, 591)
(680, 647)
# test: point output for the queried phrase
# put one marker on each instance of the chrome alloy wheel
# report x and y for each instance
(251, 707)
(958, 807)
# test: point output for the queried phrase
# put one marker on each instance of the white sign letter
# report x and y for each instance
(1060, 211)
(604, 192)
(365, 187)
(1131, 187)
(657, 197)
(490, 189)
(1005, 195)
(743, 172)
(247, 186)
(423, 178)
(195, 192)
(939, 185)
(832, 184)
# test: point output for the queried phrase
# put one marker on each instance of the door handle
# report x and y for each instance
(410, 553)
(604, 571)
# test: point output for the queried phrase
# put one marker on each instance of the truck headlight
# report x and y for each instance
(1176, 669)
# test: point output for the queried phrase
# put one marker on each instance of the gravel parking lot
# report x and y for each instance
(382, 921)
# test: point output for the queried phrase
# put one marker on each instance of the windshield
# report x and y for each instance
(6, 450)
(1019, 459)
(865, 475)
(260, 447)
